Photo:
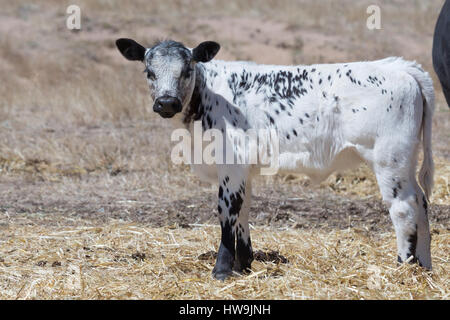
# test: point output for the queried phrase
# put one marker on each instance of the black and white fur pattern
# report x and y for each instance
(328, 117)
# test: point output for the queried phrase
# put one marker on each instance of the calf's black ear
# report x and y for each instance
(130, 49)
(205, 51)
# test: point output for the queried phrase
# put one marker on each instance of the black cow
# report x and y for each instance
(441, 49)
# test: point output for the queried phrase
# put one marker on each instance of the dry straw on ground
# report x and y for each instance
(123, 261)
(79, 143)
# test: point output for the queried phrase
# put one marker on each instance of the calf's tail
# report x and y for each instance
(426, 86)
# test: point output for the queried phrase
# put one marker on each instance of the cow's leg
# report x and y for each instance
(244, 251)
(232, 182)
(446, 91)
(408, 211)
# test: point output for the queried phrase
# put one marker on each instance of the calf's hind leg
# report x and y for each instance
(408, 212)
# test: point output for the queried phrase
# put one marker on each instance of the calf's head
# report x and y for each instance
(169, 67)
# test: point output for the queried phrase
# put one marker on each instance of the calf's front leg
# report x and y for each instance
(234, 198)
(244, 251)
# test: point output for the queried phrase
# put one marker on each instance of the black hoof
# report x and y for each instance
(221, 274)
(411, 261)
(242, 269)
(224, 263)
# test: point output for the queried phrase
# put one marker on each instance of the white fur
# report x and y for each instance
(347, 123)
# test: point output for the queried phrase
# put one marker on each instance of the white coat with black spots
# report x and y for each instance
(327, 117)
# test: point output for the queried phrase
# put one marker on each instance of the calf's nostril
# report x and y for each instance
(157, 107)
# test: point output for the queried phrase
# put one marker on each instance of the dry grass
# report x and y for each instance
(362, 183)
(123, 261)
(76, 128)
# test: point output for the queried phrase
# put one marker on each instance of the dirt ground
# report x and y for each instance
(271, 206)
(81, 148)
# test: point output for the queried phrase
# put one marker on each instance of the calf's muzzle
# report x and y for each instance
(167, 106)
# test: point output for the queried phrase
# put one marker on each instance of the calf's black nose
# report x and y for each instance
(167, 106)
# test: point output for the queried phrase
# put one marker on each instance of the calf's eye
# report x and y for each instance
(151, 75)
